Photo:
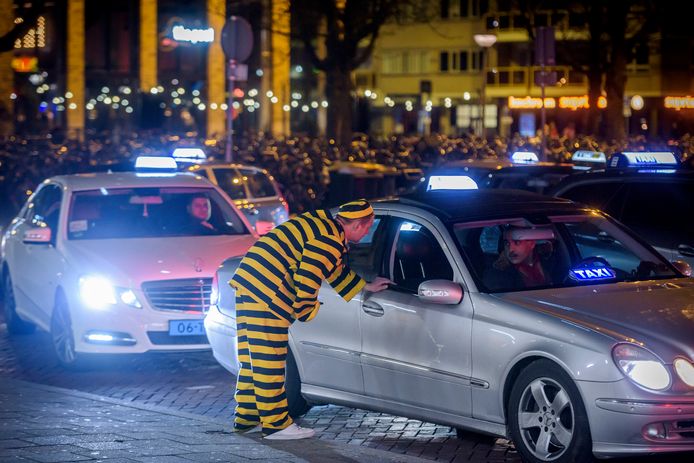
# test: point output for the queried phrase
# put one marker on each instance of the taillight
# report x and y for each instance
(214, 293)
(285, 204)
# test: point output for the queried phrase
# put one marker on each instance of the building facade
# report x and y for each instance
(431, 75)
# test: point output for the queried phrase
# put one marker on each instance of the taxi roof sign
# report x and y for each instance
(189, 155)
(155, 163)
(524, 157)
(451, 182)
(644, 159)
(589, 156)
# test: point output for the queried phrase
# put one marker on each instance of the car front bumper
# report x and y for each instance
(132, 330)
(221, 331)
(625, 420)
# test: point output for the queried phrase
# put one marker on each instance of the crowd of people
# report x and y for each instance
(299, 164)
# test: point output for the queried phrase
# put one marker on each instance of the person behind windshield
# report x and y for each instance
(522, 262)
(199, 212)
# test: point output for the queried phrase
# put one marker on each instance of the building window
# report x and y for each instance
(463, 61)
(445, 7)
(641, 53)
(464, 8)
(443, 61)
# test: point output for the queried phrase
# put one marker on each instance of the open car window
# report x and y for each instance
(517, 254)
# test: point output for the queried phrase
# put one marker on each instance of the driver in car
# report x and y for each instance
(522, 263)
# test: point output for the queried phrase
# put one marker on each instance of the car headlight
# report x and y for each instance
(127, 296)
(641, 366)
(97, 292)
(685, 370)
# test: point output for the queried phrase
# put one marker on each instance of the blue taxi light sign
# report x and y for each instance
(592, 274)
(524, 157)
(191, 155)
(162, 163)
(451, 182)
(644, 159)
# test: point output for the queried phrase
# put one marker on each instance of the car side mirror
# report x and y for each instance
(683, 267)
(40, 235)
(440, 292)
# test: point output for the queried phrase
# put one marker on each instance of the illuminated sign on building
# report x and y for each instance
(574, 102)
(679, 102)
(25, 64)
(565, 102)
(530, 102)
(183, 34)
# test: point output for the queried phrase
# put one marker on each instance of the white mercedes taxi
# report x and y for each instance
(115, 263)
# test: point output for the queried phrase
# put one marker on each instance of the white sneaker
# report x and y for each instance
(291, 432)
(254, 430)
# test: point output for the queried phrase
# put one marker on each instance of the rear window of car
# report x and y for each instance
(231, 181)
(259, 184)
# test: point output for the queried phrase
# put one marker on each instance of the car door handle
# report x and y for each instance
(372, 308)
(686, 250)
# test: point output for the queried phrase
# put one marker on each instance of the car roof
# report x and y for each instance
(503, 165)
(224, 165)
(93, 181)
(663, 175)
(483, 204)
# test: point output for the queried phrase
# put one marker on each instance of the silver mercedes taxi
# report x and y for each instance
(511, 314)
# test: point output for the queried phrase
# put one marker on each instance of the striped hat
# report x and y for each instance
(355, 210)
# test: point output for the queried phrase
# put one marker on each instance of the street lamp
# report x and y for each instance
(485, 41)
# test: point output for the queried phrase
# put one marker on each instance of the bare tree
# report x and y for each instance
(348, 30)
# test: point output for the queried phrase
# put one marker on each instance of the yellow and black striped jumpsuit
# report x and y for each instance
(276, 283)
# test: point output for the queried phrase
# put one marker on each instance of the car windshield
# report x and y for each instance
(523, 253)
(151, 212)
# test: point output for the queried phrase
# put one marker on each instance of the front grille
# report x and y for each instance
(189, 295)
(162, 338)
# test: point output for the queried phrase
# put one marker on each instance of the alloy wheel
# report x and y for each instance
(546, 419)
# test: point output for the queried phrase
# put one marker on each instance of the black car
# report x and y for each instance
(651, 195)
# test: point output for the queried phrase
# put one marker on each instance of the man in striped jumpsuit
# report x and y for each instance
(277, 282)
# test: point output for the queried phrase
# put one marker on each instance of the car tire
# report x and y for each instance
(544, 394)
(63, 338)
(296, 403)
(15, 325)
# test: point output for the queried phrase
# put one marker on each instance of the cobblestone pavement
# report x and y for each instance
(49, 424)
(194, 383)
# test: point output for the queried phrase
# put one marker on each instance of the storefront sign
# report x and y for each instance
(565, 102)
(25, 64)
(183, 34)
(574, 102)
(530, 102)
(679, 102)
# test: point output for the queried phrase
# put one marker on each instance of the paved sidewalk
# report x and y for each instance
(49, 424)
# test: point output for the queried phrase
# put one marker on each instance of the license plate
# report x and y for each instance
(186, 328)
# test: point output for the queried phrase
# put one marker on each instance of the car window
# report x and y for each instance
(597, 195)
(44, 209)
(365, 256)
(259, 185)
(229, 180)
(660, 210)
(416, 257)
(151, 212)
(519, 254)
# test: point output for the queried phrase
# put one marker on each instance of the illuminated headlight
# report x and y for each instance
(128, 297)
(685, 370)
(641, 366)
(97, 292)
